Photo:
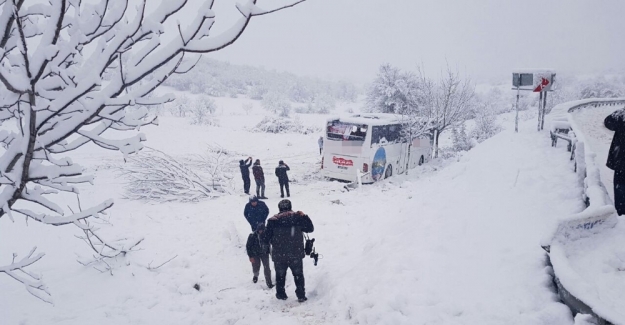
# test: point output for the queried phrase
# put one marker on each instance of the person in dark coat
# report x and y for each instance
(245, 173)
(258, 251)
(259, 178)
(616, 157)
(283, 178)
(285, 235)
(255, 212)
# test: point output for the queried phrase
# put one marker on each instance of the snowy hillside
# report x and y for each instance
(454, 242)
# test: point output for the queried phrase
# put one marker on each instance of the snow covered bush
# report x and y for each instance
(460, 139)
(283, 125)
(180, 106)
(247, 108)
(277, 103)
(68, 71)
(202, 111)
(486, 124)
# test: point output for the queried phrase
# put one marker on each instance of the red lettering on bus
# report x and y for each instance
(342, 161)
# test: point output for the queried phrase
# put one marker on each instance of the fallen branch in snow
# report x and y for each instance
(33, 283)
(156, 267)
(155, 176)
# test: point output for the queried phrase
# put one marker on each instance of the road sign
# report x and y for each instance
(544, 83)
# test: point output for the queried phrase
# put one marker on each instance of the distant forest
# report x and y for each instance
(222, 79)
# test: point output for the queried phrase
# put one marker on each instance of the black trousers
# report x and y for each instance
(619, 191)
(284, 185)
(297, 269)
(246, 185)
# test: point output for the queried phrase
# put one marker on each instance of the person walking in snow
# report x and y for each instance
(259, 178)
(616, 157)
(283, 178)
(245, 173)
(320, 143)
(255, 212)
(258, 252)
(285, 235)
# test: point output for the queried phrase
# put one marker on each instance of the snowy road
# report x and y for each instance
(457, 245)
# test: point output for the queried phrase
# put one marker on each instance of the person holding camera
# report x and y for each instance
(283, 178)
(285, 235)
(245, 173)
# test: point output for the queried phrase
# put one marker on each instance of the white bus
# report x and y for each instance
(371, 144)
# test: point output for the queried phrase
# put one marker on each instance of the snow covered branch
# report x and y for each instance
(32, 282)
(71, 70)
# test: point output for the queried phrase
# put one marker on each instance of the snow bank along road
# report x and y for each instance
(452, 245)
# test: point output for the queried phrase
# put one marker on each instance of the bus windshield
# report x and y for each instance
(338, 130)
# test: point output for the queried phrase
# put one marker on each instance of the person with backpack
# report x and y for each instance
(285, 233)
(258, 252)
(255, 212)
(245, 173)
(259, 178)
(283, 178)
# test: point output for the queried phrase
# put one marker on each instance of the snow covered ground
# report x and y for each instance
(454, 242)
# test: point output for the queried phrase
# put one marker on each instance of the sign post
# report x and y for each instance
(539, 81)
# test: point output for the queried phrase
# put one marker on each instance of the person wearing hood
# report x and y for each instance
(245, 173)
(258, 252)
(285, 235)
(283, 178)
(616, 157)
(255, 212)
(259, 178)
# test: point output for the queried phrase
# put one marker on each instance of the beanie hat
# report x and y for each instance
(284, 205)
(281, 162)
(253, 198)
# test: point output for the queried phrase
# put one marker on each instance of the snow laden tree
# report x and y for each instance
(450, 100)
(68, 71)
(383, 93)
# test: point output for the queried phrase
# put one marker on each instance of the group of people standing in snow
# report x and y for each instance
(283, 239)
(259, 177)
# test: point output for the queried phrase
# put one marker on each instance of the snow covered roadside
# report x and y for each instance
(592, 268)
(454, 245)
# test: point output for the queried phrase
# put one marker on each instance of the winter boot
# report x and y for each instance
(255, 279)
(302, 299)
(270, 285)
(281, 295)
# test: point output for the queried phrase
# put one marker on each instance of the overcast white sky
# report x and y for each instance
(484, 38)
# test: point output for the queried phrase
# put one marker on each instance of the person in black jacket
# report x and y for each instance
(259, 178)
(283, 178)
(255, 212)
(258, 251)
(285, 235)
(616, 157)
(245, 173)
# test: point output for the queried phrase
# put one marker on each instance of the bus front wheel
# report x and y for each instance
(389, 171)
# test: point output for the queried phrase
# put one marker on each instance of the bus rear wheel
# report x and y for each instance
(389, 171)
(421, 161)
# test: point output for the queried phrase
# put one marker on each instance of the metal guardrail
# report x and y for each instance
(598, 214)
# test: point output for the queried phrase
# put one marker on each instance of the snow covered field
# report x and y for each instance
(454, 242)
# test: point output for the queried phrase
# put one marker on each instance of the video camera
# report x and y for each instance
(310, 250)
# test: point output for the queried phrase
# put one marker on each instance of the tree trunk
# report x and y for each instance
(436, 135)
